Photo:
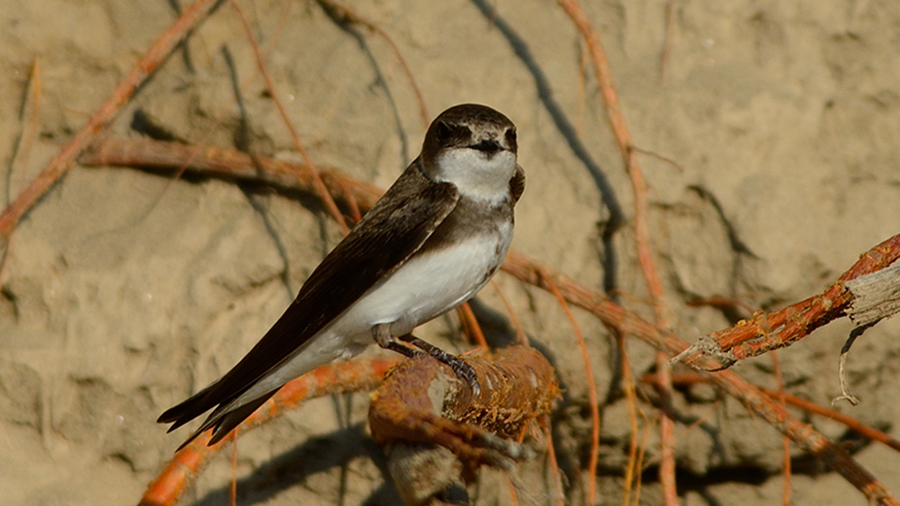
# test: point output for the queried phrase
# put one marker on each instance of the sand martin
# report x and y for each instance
(429, 244)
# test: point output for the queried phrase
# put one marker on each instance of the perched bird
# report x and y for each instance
(429, 244)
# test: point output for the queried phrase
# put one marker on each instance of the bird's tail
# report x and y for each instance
(222, 420)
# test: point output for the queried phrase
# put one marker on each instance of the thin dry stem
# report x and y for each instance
(593, 400)
(244, 86)
(517, 324)
(666, 431)
(31, 117)
(804, 404)
(514, 498)
(658, 156)
(642, 451)
(582, 89)
(270, 85)
(632, 473)
(227, 164)
(23, 151)
(852, 423)
(667, 47)
(642, 238)
(779, 380)
(554, 464)
(347, 15)
(471, 326)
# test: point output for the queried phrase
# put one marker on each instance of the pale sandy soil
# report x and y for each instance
(125, 292)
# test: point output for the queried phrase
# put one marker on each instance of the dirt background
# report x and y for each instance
(125, 292)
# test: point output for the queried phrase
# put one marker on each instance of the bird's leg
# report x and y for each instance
(382, 335)
(462, 368)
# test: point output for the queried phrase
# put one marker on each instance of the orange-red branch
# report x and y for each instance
(338, 378)
(767, 332)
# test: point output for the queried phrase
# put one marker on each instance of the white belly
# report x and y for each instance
(428, 286)
(424, 288)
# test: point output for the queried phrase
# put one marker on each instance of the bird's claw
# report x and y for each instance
(460, 367)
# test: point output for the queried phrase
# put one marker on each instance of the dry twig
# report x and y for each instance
(786, 442)
(349, 16)
(22, 151)
(318, 184)
(687, 379)
(593, 401)
(766, 332)
(642, 238)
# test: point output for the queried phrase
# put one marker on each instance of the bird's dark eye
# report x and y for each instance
(448, 133)
(511, 138)
(444, 131)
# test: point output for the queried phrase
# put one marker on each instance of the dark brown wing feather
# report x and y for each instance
(394, 229)
(517, 183)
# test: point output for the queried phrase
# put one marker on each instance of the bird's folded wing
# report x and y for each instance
(393, 230)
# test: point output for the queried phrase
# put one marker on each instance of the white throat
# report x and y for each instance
(476, 175)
